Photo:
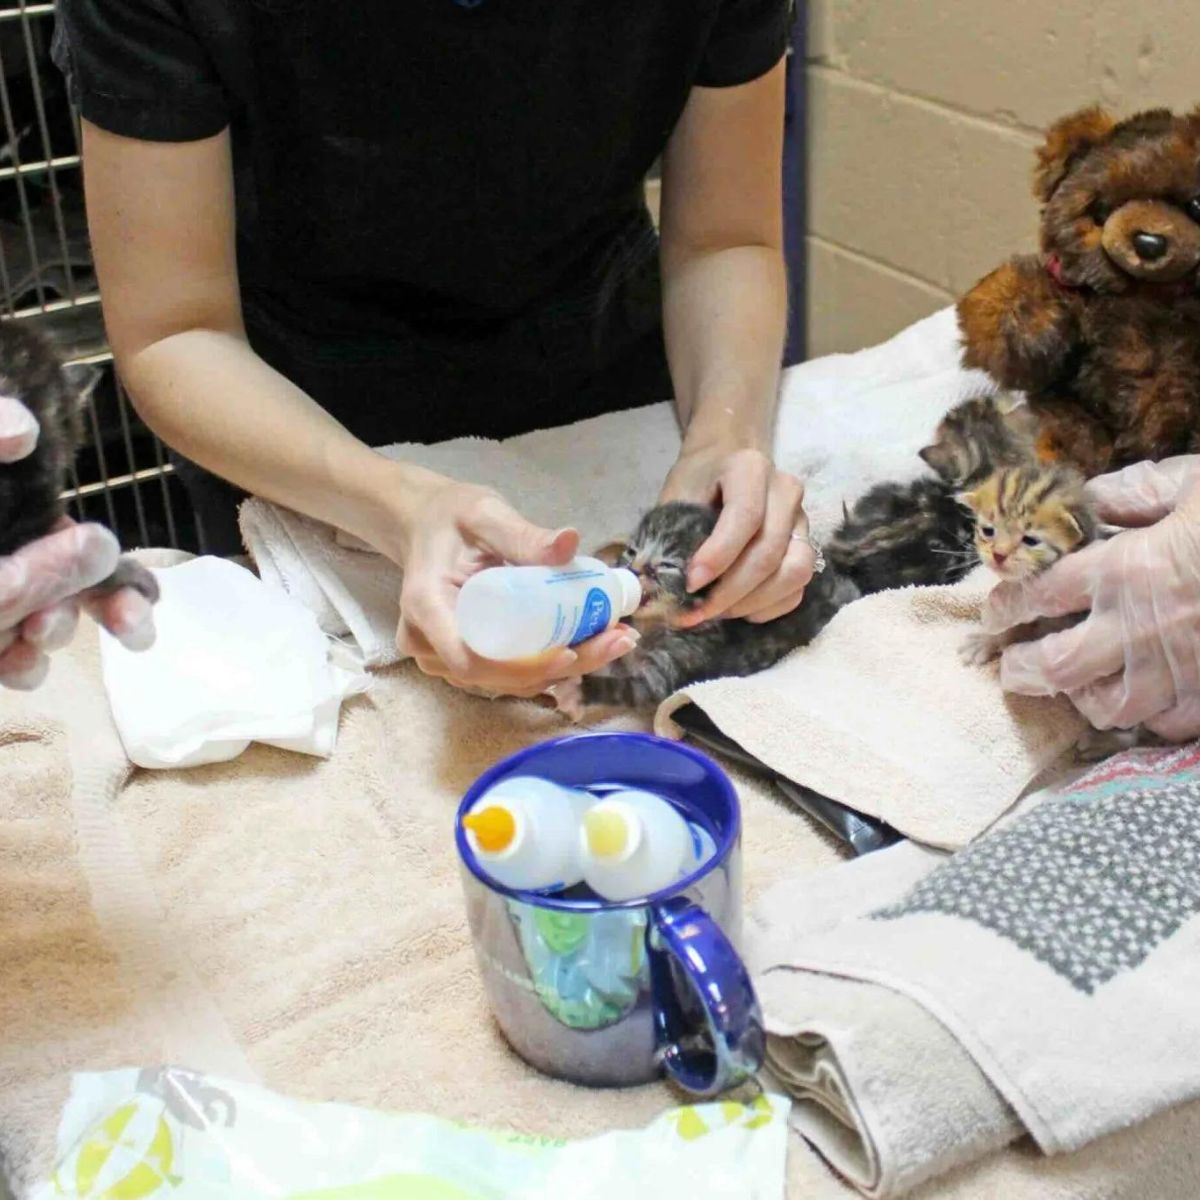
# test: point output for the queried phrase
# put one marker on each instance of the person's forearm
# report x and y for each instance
(208, 395)
(725, 315)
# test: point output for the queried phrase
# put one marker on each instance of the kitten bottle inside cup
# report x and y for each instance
(634, 843)
(524, 833)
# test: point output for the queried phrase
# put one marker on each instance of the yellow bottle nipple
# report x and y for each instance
(494, 828)
(606, 832)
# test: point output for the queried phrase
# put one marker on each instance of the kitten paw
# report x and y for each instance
(129, 573)
(1098, 744)
(979, 648)
(568, 698)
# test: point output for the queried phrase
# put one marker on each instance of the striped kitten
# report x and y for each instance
(1026, 519)
(667, 658)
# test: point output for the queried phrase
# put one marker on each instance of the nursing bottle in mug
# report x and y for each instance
(610, 993)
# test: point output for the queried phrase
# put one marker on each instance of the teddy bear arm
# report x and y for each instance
(1069, 435)
(1162, 417)
(1018, 326)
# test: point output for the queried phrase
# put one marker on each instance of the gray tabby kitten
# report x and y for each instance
(31, 489)
(666, 658)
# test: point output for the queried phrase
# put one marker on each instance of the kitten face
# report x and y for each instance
(1027, 518)
(659, 551)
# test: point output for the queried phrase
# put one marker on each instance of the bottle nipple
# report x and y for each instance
(494, 828)
(606, 833)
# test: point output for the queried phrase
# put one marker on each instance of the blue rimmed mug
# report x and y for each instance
(611, 994)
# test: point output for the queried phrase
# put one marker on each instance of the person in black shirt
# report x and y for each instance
(320, 227)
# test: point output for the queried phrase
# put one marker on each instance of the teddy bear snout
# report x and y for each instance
(1152, 241)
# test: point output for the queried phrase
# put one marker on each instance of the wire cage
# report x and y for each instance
(122, 476)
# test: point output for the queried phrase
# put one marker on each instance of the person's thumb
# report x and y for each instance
(1144, 492)
(511, 537)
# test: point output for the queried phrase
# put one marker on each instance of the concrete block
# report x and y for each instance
(853, 302)
(1023, 62)
(821, 42)
(928, 191)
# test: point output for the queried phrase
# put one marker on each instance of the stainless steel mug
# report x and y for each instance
(611, 994)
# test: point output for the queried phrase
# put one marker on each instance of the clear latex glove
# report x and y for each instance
(18, 430)
(43, 585)
(1135, 658)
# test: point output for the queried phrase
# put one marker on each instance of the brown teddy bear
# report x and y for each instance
(1101, 331)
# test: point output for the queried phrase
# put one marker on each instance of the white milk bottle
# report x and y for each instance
(507, 613)
(524, 833)
(634, 843)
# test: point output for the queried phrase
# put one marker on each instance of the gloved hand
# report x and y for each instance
(43, 585)
(1135, 658)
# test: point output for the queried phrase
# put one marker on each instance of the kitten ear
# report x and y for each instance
(1066, 141)
(1073, 527)
(949, 457)
(937, 456)
(82, 379)
(611, 554)
(969, 500)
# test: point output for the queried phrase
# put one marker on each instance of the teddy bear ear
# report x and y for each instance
(1066, 140)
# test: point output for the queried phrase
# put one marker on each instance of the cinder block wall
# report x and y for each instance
(923, 117)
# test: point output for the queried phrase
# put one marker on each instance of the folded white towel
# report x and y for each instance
(846, 422)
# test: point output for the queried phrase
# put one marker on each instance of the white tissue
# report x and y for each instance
(235, 661)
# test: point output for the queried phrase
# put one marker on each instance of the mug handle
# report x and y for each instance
(689, 953)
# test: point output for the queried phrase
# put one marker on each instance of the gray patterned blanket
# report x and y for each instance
(925, 1009)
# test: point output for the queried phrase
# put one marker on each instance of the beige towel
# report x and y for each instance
(1054, 963)
(880, 714)
(315, 909)
(883, 1089)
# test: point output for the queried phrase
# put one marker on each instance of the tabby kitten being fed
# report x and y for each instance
(897, 534)
(667, 658)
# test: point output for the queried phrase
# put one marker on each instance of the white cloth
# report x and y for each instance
(846, 422)
(235, 660)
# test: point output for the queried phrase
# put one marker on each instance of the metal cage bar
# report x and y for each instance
(122, 476)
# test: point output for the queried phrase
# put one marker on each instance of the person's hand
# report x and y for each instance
(43, 585)
(460, 529)
(759, 552)
(1135, 658)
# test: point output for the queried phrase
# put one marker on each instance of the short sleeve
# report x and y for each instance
(748, 39)
(138, 68)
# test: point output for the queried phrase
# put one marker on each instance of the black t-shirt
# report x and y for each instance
(466, 157)
(441, 222)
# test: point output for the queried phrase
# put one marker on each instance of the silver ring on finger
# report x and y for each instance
(818, 553)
